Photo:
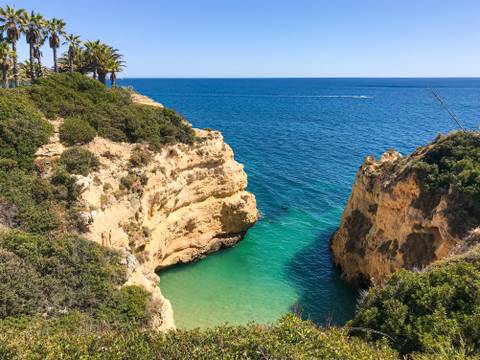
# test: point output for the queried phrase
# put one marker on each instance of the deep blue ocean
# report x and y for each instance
(301, 141)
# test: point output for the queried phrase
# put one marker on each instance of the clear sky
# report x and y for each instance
(279, 38)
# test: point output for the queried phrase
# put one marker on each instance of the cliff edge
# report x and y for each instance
(161, 208)
(407, 212)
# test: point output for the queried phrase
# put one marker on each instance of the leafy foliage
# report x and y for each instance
(454, 159)
(66, 272)
(22, 128)
(26, 202)
(74, 337)
(75, 131)
(140, 157)
(110, 111)
(452, 165)
(77, 160)
(436, 311)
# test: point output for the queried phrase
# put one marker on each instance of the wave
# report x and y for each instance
(266, 96)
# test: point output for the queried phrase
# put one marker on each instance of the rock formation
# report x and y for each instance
(162, 208)
(392, 220)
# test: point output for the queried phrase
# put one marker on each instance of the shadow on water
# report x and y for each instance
(324, 297)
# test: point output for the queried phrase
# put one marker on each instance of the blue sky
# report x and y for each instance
(278, 38)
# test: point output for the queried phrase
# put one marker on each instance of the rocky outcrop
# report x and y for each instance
(163, 208)
(392, 220)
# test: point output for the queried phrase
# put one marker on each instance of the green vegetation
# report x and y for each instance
(26, 202)
(140, 156)
(452, 167)
(60, 273)
(454, 160)
(77, 160)
(110, 112)
(62, 296)
(72, 337)
(436, 311)
(22, 128)
(75, 131)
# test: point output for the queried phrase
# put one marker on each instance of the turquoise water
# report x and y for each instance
(301, 141)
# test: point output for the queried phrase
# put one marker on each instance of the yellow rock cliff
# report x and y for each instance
(391, 222)
(187, 201)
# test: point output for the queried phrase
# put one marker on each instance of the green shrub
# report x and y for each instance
(453, 160)
(435, 311)
(452, 167)
(20, 286)
(126, 182)
(75, 131)
(110, 111)
(77, 160)
(65, 272)
(126, 308)
(140, 157)
(8, 164)
(65, 188)
(75, 336)
(7, 353)
(22, 128)
(26, 202)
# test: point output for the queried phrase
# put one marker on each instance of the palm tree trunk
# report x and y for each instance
(32, 64)
(113, 77)
(15, 65)
(102, 77)
(70, 64)
(55, 66)
(39, 62)
(5, 76)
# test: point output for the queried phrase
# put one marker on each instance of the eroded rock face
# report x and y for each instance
(391, 221)
(188, 201)
(183, 203)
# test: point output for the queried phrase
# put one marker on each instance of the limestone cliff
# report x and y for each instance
(162, 208)
(393, 220)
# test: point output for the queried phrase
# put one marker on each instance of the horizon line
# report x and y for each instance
(297, 77)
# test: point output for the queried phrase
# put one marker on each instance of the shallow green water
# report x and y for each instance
(254, 282)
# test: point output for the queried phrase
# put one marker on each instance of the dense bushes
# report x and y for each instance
(66, 272)
(20, 287)
(75, 131)
(22, 128)
(111, 112)
(454, 159)
(77, 160)
(436, 311)
(26, 202)
(74, 337)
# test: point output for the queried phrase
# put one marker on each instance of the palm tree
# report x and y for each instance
(12, 23)
(102, 58)
(114, 67)
(73, 47)
(37, 53)
(6, 56)
(33, 34)
(26, 69)
(56, 30)
(106, 55)
(92, 51)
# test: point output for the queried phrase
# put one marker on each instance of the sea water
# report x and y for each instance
(301, 141)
